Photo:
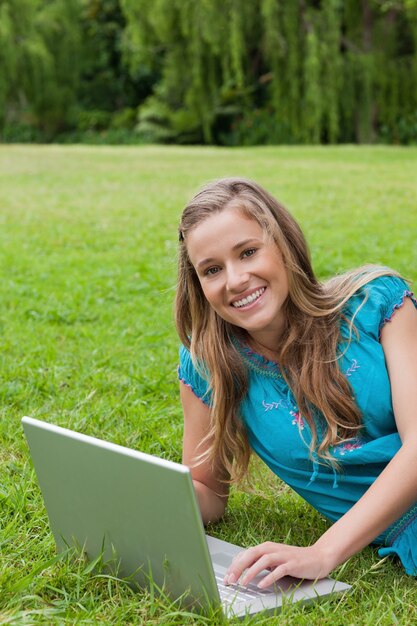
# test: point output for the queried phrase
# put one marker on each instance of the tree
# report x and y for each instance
(328, 70)
(39, 45)
(105, 81)
(213, 71)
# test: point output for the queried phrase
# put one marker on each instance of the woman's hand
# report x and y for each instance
(281, 560)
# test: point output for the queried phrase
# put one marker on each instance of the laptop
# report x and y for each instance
(139, 513)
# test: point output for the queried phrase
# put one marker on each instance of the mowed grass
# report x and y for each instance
(88, 240)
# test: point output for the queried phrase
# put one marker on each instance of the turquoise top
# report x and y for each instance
(279, 435)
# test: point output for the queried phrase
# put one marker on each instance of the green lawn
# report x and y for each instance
(88, 242)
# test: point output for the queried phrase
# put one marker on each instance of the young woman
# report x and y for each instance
(308, 375)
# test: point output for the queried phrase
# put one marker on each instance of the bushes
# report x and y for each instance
(259, 127)
(91, 127)
(403, 131)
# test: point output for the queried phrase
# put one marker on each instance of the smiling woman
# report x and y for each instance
(244, 279)
(307, 375)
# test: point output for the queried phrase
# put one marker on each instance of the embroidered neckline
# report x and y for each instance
(257, 362)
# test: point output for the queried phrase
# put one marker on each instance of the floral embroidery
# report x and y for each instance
(342, 449)
(352, 368)
(298, 420)
(268, 406)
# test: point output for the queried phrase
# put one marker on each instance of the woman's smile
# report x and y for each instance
(250, 299)
(241, 272)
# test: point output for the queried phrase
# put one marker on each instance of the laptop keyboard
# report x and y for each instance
(230, 593)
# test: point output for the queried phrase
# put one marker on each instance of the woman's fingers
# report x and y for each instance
(281, 560)
(276, 574)
(252, 562)
(266, 562)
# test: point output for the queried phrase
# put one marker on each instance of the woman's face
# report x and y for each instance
(241, 273)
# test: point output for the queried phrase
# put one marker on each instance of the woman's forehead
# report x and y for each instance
(223, 222)
(240, 212)
(221, 232)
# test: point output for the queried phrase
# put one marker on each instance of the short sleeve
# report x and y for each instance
(188, 374)
(385, 295)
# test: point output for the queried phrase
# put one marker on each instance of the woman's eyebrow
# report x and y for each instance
(238, 245)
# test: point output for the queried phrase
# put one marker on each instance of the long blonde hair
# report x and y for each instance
(308, 352)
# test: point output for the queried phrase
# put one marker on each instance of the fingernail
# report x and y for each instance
(232, 579)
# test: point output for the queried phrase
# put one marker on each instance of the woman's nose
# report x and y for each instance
(237, 280)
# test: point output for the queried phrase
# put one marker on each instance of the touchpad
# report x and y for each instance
(222, 559)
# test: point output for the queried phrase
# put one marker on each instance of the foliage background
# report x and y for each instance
(233, 72)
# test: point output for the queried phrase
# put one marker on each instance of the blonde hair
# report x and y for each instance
(308, 350)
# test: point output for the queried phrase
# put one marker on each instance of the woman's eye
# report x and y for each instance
(249, 252)
(210, 271)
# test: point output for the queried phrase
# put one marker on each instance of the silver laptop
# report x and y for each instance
(140, 513)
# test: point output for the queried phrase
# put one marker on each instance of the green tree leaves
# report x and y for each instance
(212, 71)
(39, 43)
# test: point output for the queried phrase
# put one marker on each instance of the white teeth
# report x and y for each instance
(253, 296)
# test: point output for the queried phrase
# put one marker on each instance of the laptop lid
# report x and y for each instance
(110, 500)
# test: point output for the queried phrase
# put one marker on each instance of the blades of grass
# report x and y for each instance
(24, 582)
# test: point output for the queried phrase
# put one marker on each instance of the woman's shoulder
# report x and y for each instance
(193, 375)
(382, 290)
(374, 304)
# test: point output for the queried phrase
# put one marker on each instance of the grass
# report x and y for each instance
(87, 263)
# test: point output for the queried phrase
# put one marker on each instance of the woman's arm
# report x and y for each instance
(211, 492)
(391, 495)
